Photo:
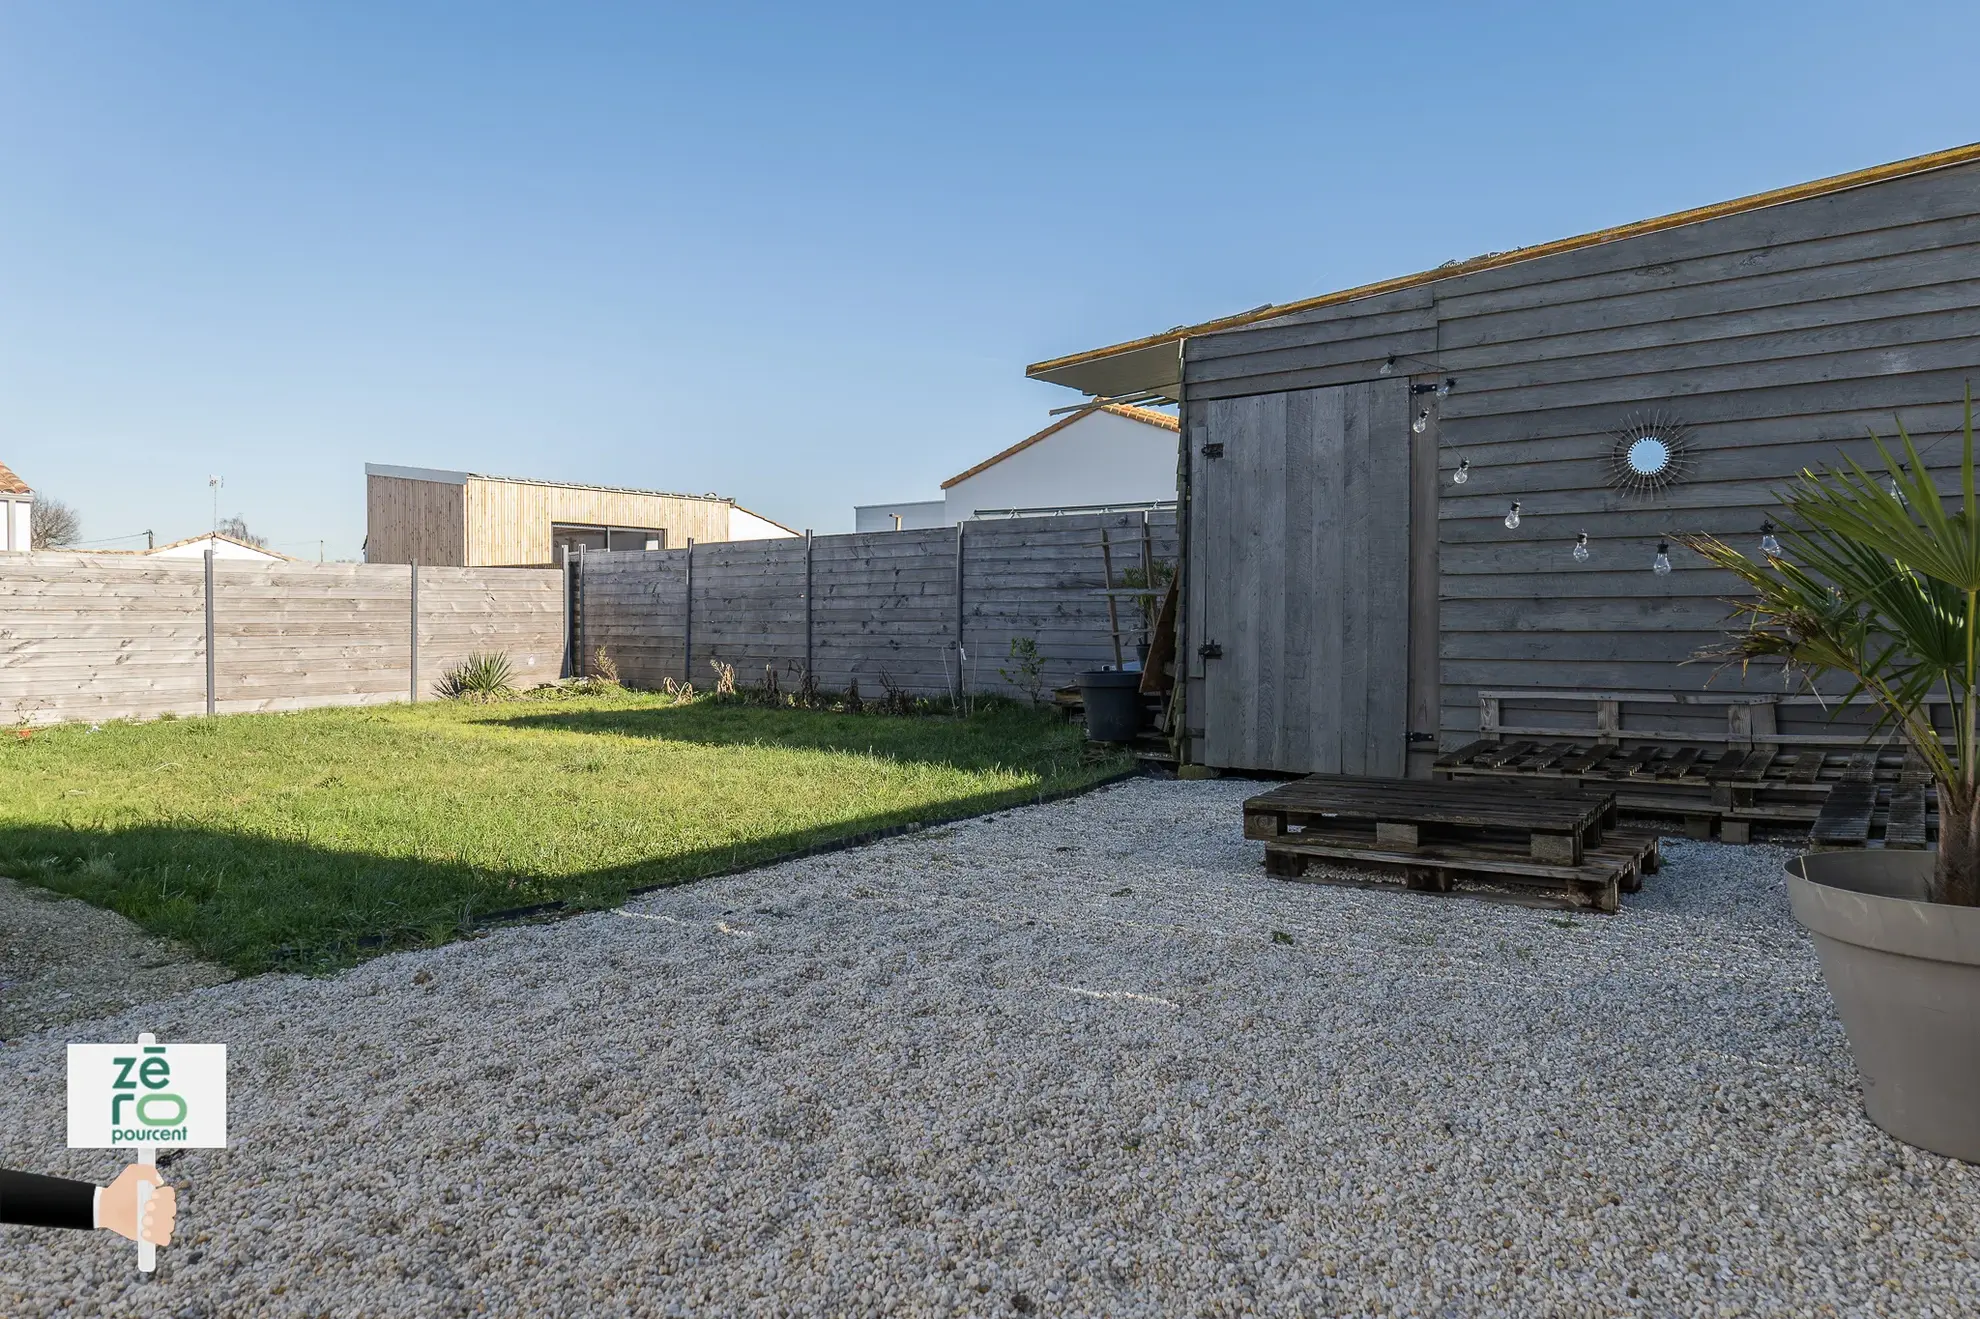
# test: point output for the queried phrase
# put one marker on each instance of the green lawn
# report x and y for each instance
(305, 840)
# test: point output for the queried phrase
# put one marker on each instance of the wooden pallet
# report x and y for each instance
(1861, 811)
(1611, 868)
(1714, 789)
(1411, 813)
(1434, 835)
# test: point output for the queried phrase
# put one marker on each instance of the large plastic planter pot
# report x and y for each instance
(1905, 975)
(1113, 704)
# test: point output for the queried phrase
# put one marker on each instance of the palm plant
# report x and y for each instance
(482, 676)
(1878, 581)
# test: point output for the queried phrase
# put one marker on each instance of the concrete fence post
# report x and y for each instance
(959, 612)
(412, 650)
(569, 666)
(807, 606)
(687, 620)
(210, 686)
(581, 662)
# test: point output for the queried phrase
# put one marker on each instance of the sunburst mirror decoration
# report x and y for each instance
(1651, 453)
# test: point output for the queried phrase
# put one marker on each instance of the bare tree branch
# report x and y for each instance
(52, 523)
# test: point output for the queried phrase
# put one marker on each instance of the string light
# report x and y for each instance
(1445, 386)
(1512, 517)
(1463, 472)
(1898, 494)
(1770, 544)
(1422, 422)
(1581, 548)
(1661, 565)
(1389, 367)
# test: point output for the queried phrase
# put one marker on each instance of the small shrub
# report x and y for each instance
(1028, 671)
(853, 704)
(725, 677)
(482, 676)
(1139, 578)
(603, 669)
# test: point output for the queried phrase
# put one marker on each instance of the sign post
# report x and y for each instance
(145, 1097)
(147, 1157)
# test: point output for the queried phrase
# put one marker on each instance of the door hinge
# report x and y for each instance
(1210, 650)
(1215, 450)
(1422, 737)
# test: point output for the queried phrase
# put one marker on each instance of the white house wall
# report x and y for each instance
(1099, 459)
(916, 515)
(222, 549)
(16, 523)
(745, 525)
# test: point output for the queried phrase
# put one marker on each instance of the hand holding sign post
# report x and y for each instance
(143, 1097)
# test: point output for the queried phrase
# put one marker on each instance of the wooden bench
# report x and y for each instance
(1436, 833)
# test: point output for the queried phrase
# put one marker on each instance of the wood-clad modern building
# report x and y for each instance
(1383, 489)
(464, 519)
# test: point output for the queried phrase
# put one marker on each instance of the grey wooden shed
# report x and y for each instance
(1354, 597)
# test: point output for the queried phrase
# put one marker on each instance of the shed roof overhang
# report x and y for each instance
(1151, 367)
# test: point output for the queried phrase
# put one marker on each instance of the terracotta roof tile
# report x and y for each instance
(11, 484)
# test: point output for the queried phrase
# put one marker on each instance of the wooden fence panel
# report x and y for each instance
(633, 606)
(110, 637)
(883, 607)
(89, 638)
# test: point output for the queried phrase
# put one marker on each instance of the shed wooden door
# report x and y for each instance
(1299, 555)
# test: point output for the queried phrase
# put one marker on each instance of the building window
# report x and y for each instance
(573, 536)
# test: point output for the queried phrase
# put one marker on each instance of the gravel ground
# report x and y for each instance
(62, 960)
(1053, 1062)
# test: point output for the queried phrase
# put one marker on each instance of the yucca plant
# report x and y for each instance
(482, 676)
(1878, 580)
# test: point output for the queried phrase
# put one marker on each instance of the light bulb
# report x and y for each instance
(1661, 565)
(1770, 544)
(1512, 517)
(1389, 367)
(1463, 472)
(1581, 548)
(1422, 422)
(1444, 387)
(1898, 494)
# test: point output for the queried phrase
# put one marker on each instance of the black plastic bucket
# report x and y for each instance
(1113, 704)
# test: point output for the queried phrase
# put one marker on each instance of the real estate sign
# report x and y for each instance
(147, 1095)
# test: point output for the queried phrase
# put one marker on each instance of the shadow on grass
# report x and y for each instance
(1002, 735)
(260, 904)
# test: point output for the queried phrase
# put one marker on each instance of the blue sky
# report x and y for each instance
(797, 254)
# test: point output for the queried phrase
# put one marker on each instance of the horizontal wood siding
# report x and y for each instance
(86, 637)
(883, 608)
(1781, 338)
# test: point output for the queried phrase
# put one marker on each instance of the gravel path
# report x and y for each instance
(62, 960)
(1053, 1063)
